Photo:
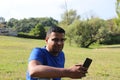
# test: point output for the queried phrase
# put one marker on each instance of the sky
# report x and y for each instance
(20, 9)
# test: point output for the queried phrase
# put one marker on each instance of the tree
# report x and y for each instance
(117, 20)
(89, 31)
(71, 29)
(2, 20)
(12, 22)
(38, 31)
(118, 8)
(68, 17)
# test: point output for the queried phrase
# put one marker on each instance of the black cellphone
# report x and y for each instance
(87, 62)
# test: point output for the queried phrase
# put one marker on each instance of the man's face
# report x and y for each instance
(55, 42)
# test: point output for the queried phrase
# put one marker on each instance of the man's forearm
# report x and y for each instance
(42, 71)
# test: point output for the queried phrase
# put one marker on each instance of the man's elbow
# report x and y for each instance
(33, 68)
(32, 73)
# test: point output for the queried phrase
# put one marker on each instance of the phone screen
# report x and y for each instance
(87, 62)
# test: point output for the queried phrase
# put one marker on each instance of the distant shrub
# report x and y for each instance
(113, 39)
(26, 35)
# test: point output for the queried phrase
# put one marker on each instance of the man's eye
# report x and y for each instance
(56, 39)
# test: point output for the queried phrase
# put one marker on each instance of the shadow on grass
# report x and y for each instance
(105, 46)
(111, 46)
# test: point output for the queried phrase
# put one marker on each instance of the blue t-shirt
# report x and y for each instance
(45, 58)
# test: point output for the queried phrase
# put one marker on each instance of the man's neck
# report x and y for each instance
(52, 53)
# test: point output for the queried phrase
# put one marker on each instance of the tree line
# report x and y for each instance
(32, 27)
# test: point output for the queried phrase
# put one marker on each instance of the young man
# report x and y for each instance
(47, 63)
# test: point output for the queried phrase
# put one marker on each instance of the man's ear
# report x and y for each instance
(46, 39)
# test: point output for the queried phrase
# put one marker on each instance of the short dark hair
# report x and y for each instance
(55, 29)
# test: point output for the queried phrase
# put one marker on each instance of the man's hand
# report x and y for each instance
(77, 71)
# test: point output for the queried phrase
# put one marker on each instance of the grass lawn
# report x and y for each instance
(14, 53)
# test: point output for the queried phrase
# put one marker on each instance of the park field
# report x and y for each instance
(14, 53)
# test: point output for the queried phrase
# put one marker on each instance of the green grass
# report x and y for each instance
(14, 53)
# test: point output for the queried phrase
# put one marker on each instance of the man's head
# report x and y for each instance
(55, 38)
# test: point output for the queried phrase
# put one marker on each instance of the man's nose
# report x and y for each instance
(60, 42)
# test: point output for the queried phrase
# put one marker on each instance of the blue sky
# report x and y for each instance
(20, 9)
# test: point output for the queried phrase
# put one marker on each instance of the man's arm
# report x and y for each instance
(41, 71)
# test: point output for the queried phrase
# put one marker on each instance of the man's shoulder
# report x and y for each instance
(39, 48)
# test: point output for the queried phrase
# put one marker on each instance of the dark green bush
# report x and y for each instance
(113, 39)
(26, 35)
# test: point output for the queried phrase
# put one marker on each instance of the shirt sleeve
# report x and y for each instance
(36, 54)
